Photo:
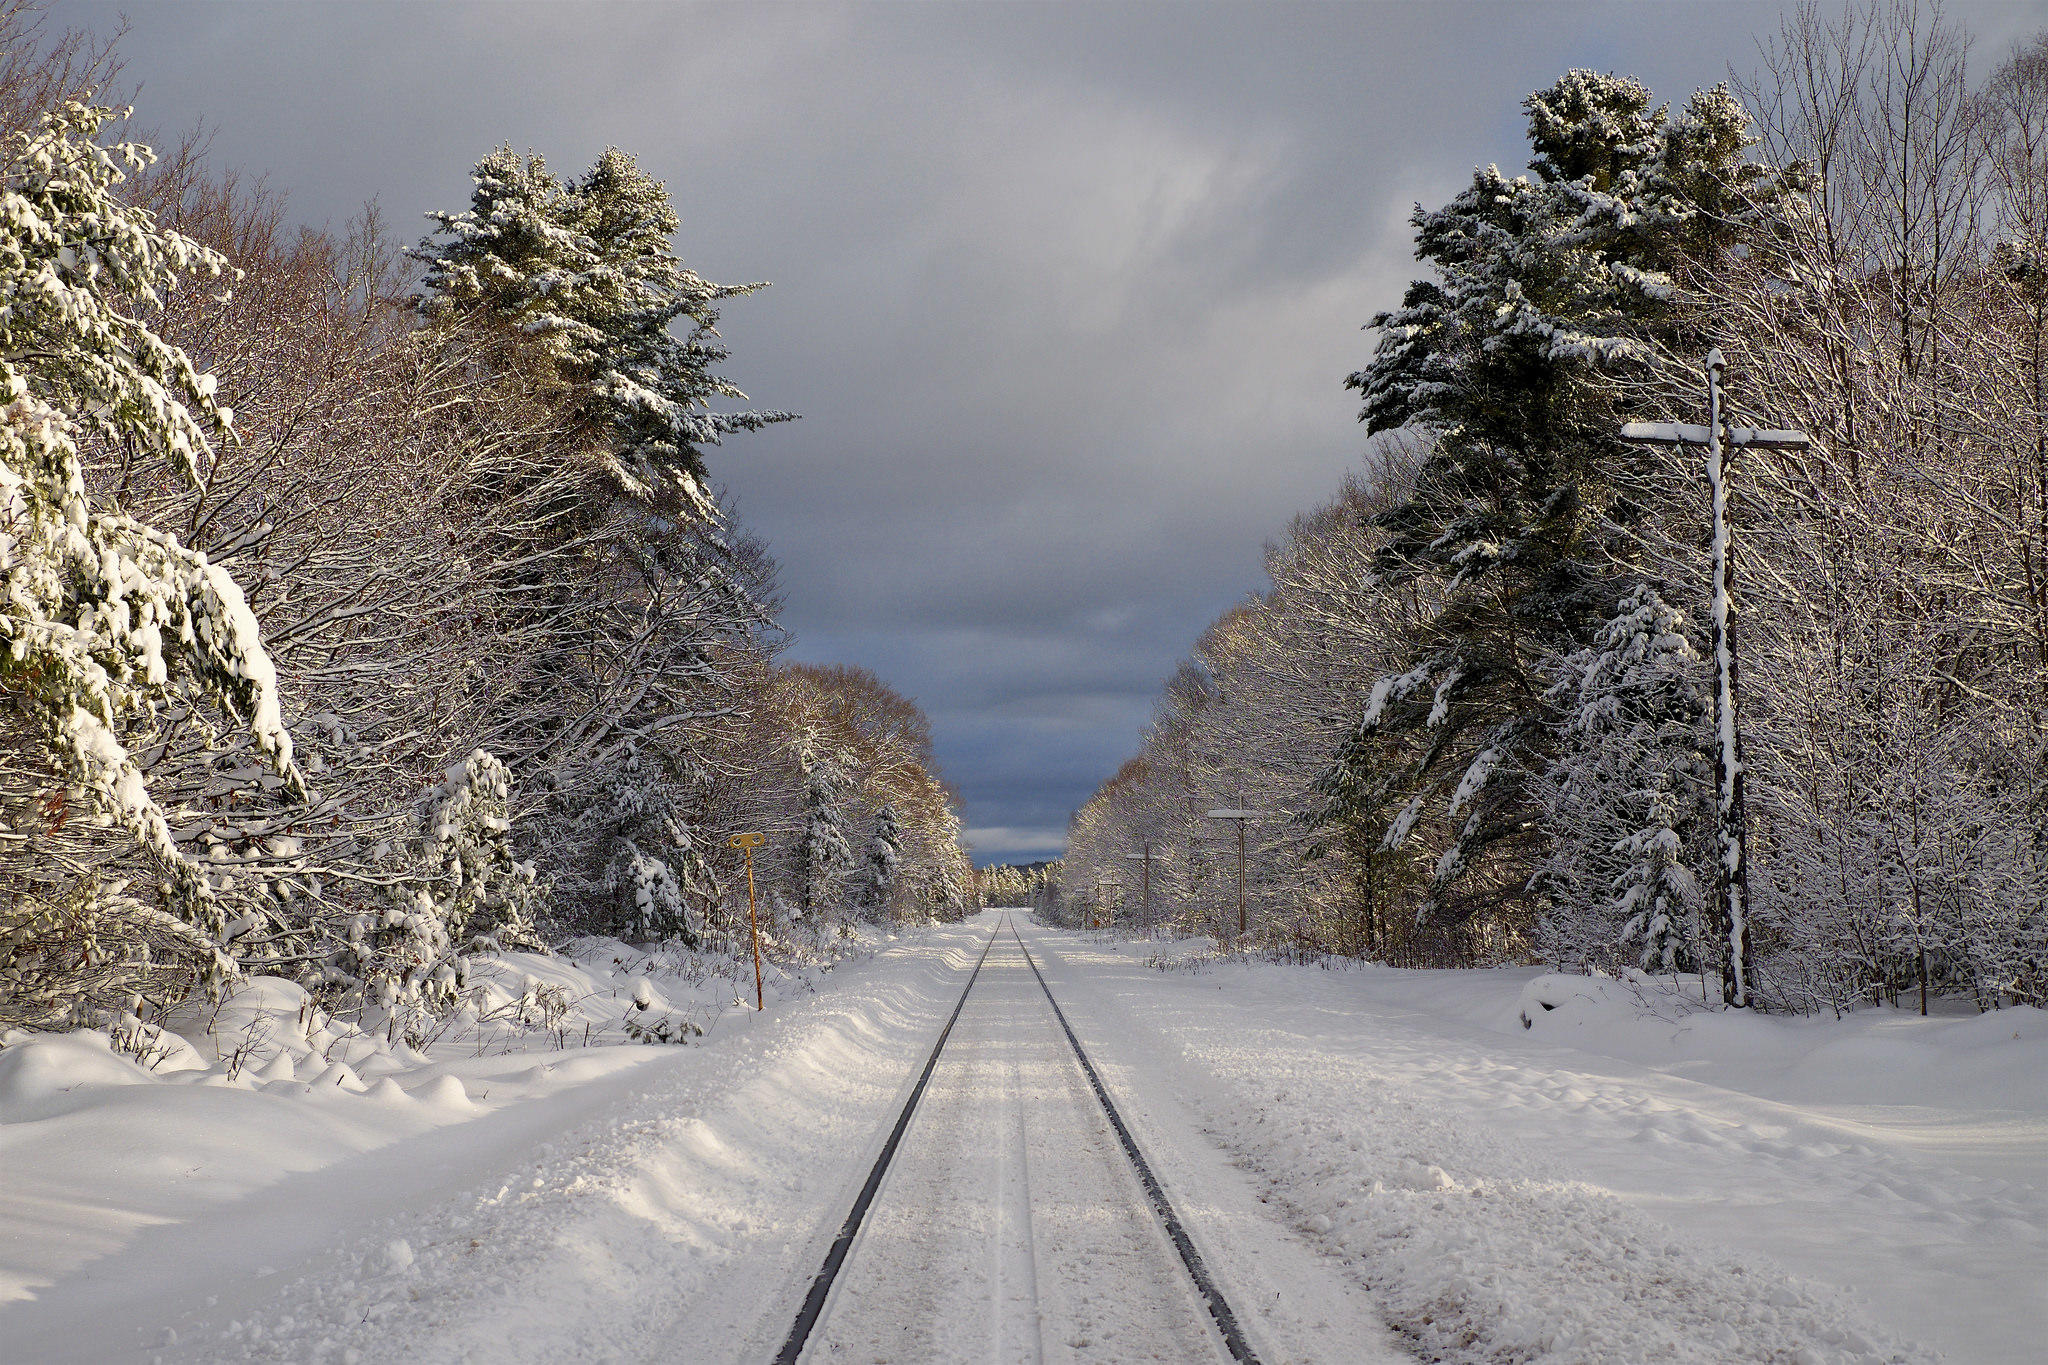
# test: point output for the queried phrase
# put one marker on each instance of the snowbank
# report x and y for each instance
(222, 1101)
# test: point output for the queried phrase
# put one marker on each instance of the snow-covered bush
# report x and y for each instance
(465, 832)
(81, 958)
(459, 892)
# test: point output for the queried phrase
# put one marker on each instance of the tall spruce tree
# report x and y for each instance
(884, 861)
(1550, 290)
(586, 273)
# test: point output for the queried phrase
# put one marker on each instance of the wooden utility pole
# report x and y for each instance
(1242, 818)
(747, 843)
(1721, 441)
(1146, 858)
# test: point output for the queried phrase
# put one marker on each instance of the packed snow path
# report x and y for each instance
(1012, 1227)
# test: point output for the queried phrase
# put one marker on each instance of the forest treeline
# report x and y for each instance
(368, 603)
(1475, 701)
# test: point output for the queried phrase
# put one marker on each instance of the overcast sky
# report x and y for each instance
(1065, 293)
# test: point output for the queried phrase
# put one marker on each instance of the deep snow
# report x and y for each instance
(1628, 1178)
(1622, 1180)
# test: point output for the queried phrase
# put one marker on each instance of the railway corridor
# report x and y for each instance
(1011, 1226)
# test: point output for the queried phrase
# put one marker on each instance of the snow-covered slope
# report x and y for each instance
(279, 1178)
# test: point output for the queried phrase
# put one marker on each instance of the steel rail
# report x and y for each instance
(835, 1257)
(1176, 1232)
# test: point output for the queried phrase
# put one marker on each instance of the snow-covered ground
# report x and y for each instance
(1619, 1181)
(1624, 1179)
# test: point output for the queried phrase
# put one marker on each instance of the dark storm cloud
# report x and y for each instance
(1065, 293)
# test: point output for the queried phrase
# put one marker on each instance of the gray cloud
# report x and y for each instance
(1065, 293)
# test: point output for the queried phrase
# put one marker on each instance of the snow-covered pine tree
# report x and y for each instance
(641, 601)
(824, 854)
(103, 619)
(1548, 288)
(648, 871)
(465, 835)
(511, 257)
(1627, 793)
(586, 272)
(876, 881)
(458, 892)
(649, 386)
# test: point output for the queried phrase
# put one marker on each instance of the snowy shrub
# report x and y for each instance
(465, 834)
(458, 892)
(650, 897)
(83, 957)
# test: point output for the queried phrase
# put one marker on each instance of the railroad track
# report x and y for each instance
(1010, 1207)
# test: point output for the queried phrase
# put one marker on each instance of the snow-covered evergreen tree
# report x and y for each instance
(1625, 795)
(647, 613)
(465, 834)
(103, 619)
(651, 873)
(876, 882)
(1548, 288)
(586, 272)
(511, 256)
(825, 853)
(459, 892)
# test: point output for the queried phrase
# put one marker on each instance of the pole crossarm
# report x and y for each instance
(1688, 434)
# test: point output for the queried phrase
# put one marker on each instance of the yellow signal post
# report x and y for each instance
(747, 843)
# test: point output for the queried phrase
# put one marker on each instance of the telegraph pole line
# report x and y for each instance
(1721, 441)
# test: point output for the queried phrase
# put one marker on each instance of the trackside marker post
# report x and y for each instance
(747, 843)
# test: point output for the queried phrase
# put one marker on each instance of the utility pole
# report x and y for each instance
(1242, 818)
(1146, 858)
(1721, 441)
